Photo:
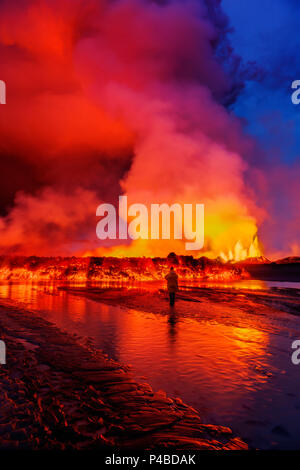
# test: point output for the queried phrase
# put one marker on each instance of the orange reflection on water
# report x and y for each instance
(221, 359)
(227, 361)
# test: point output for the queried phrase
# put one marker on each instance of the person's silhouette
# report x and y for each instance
(172, 285)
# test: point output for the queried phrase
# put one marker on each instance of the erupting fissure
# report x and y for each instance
(239, 253)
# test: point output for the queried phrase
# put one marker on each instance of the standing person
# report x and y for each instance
(172, 280)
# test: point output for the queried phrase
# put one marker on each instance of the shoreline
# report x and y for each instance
(59, 392)
(207, 298)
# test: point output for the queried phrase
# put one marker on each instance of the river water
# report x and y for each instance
(237, 374)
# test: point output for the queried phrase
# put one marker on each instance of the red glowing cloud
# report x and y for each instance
(105, 97)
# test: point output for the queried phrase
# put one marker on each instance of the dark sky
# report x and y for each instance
(266, 32)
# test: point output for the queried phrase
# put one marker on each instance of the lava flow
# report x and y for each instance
(110, 269)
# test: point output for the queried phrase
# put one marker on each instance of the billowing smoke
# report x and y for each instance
(125, 96)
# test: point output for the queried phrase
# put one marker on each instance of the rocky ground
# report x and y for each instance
(58, 392)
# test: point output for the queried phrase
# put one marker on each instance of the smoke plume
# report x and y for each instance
(119, 97)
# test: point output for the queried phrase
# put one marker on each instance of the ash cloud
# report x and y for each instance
(109, 97)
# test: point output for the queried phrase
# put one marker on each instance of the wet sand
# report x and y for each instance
(237, 371)
(59, 392)
(208, 299)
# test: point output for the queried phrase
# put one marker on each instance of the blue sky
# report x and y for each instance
(267, 32)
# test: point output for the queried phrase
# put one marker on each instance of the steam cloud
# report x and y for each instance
(121, 96)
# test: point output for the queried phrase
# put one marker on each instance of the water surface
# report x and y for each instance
(235, 369)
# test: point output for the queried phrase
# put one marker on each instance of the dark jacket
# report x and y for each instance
(172, 280)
